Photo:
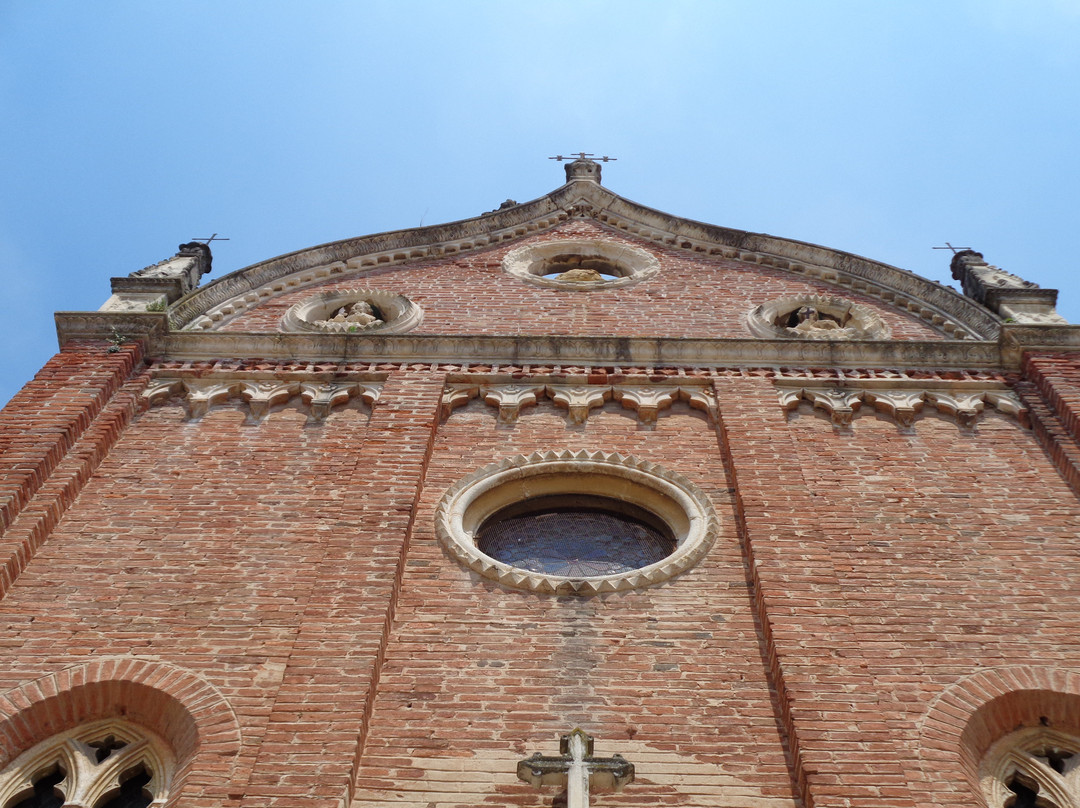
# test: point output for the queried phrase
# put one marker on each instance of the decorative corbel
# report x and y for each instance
(578, 399)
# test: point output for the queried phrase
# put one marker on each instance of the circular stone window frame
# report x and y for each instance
(403, 314)
(529, 262)
(866, 323)
(678, 503)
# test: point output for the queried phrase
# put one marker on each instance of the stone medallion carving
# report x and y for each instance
(815, 317)
(353, 311)
(615, 485)
(581, 264)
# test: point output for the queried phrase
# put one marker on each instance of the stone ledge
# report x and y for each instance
(151, 329)
(125, 326)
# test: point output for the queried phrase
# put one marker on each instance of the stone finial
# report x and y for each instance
(583, 169)
(1010, 296)
(154, 287)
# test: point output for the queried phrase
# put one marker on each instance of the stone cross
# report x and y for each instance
(576, 769)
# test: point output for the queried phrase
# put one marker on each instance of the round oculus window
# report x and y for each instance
(581, 264)
(576, 522)
(816, 318)
(353, 311)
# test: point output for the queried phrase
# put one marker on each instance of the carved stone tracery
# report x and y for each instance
(1036, 766)
(90, 763)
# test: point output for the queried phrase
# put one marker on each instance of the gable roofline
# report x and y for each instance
(585, 198)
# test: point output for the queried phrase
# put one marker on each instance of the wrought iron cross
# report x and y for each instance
(949, 246)
(583, 156)
(576, 769)
(207, 241)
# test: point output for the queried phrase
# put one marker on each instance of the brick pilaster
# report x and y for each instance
(825, 706)
(317, 726)
(67, 417)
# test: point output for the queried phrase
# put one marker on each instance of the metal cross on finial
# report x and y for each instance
(207, 241)
(583, 156)
(576, 769)
(949, 246)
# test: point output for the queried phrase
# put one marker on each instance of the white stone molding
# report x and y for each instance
(458, 395)
(965, 407)
(669, 496)
(839, 404)
(902, 405)
(903, 398)
(647, 400)
(321, 397)
(578, 399)
(260, 395)
(1033, 756)
(86, 781)
(846, 320)
(596, 351)
(396, 312)
(533, 263)
(510, 398)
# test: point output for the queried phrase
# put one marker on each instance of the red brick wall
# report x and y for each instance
(892, 566)
(478, 676)
(690, 297)
(290, 575)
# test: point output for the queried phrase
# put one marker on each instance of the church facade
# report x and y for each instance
(575, 502)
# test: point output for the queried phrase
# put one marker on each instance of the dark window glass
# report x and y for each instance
(45, 794)
(132, 793)
(575, 537)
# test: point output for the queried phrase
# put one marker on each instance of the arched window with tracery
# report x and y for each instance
(1035, 767)
(107, 764)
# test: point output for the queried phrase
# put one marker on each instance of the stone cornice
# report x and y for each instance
(151, 330)
(580, 199)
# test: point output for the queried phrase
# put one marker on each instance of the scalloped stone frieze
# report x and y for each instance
(260, 395)
(647, 400)
(963, 401)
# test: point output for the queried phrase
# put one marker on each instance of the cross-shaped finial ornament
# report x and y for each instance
(949, 246)
(207, 241)
(577, 770)
(583, 156)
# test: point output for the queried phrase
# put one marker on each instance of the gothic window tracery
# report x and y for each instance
(107, 764)
(1036, 767)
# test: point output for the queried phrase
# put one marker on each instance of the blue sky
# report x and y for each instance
(882, 128)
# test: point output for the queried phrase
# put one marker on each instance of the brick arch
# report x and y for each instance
(182, 708)
(969, 716)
